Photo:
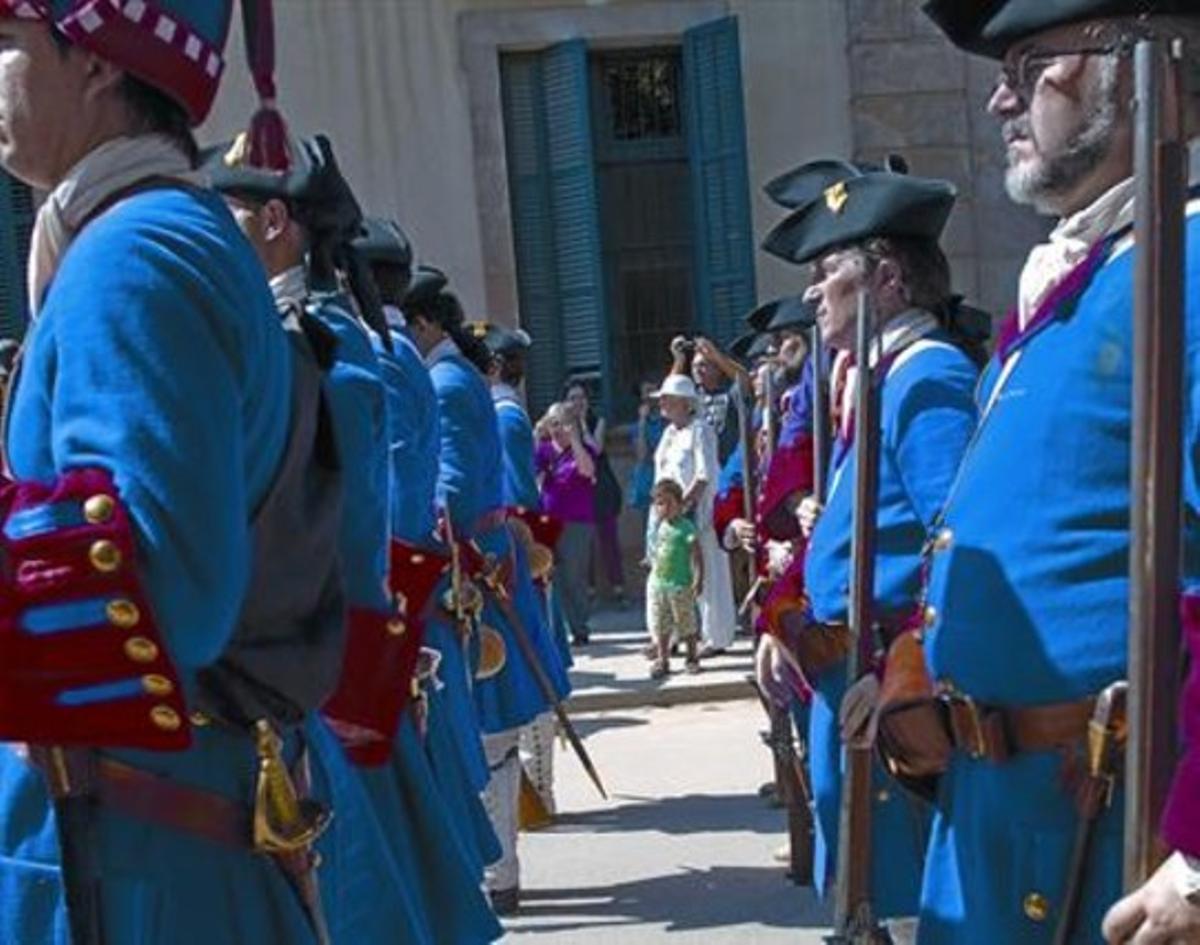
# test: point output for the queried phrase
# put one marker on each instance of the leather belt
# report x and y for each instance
(996, 733)
(142, 795)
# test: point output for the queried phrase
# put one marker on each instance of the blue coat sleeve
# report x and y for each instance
(164, 370)
(516, 439)
(935, 416)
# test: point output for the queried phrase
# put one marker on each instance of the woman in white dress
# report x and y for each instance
(687, 453)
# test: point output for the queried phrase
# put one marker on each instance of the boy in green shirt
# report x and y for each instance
(676, 578)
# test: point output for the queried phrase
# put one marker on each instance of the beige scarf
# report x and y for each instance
(1069, 244)
(109, 169)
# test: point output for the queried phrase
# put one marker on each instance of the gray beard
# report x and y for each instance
(1040, 184)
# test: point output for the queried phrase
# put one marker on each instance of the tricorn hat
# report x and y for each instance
(990, 27)
(501, 341)
(751, 346)
(857, 206)
(383, 241)
(427, 283)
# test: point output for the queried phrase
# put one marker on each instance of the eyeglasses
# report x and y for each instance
(1023, 75)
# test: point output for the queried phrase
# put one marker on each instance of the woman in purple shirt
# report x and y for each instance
(567, 475)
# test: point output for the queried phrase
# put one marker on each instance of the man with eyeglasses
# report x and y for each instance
(1028, 585)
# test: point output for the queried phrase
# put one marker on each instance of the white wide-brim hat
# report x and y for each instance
(678, 385)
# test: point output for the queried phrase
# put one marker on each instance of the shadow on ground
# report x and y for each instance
(679, 816)
(688, 900)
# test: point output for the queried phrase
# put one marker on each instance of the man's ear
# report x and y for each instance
(101, 77)
(275, 219)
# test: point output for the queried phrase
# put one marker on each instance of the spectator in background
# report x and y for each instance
(567, 475)
(712, 371)
(687, 454)
(649, 431)
(607, 545)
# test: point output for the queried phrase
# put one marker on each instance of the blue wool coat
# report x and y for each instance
(453, 747)
(169, 369)
(1030, 595)
(520, 486)
(927, 414)
(469, 488)
(434, 888)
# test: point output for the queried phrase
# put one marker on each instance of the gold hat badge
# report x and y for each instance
(836, 197)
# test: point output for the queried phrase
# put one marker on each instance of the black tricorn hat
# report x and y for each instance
(383, 241)
(859, 206)
(807, 182)
(791, 311)
(991, 27)
(314, 185)
(426, 284)
(751, 346)
(499, 340)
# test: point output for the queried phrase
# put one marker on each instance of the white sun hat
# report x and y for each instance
(677, 385)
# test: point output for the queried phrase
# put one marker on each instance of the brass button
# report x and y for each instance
(199, 719)
(166, 718)
(396, 628)
(141, 650)
(1037, 907)
(943, 541)
(931, 615)
(417, 559)
(883, 797)
(122, 613)
(157, 685)
(99, 509)
(105, 556)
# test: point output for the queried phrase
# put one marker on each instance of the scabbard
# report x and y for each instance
(69, 776)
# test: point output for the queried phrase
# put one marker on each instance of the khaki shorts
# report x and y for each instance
(672, 612)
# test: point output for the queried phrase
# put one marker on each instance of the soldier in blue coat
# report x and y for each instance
(452, 735)
(162, 440)
(506, 375)
(469, 493)
(392, 817)
(876, 231)
(1028, 590)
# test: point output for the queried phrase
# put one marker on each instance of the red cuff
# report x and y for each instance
(82, 662)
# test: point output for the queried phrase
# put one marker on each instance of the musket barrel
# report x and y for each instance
(820, 413)
(853, 901)
(1155, 546)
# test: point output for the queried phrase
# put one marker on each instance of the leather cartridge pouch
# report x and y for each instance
(914, 738)
(818, 647)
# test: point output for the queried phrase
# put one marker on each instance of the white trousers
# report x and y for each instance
(902, 931)
(500, 799)
(537, 755)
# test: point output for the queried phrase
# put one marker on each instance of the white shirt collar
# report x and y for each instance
(502, 391)
(290, 287)
(443, 349)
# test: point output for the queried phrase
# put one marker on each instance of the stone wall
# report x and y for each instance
(914, 94)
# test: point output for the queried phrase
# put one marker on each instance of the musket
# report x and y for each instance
(493, 582)
(790, 781)
(854, 916)
(820, 399)
(1160, 172)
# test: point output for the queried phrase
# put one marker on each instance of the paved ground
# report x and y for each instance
(682, 852)
(611, 672)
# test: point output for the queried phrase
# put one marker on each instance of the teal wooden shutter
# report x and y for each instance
(578, 260)
(716, 129)
(532, 221)
(16, 225)
(556, 217)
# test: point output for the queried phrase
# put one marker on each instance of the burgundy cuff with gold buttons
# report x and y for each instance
(81, 660)
(380, 658)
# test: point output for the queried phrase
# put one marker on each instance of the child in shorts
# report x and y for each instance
(676, 578)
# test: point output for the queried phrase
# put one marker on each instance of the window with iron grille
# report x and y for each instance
(642, 94)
